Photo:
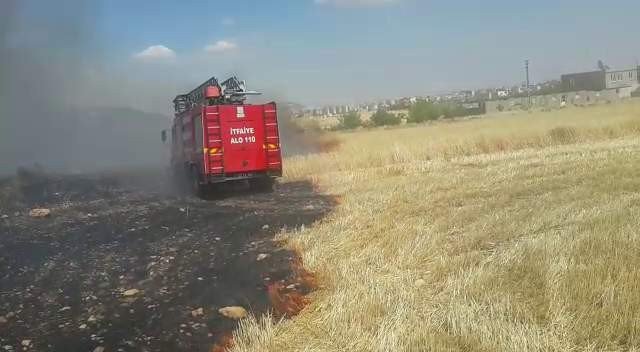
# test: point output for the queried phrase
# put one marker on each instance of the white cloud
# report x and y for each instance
(228, 21)
(356, 3)
(221, 46)
(155, 53)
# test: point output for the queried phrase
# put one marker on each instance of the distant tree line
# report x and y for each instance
(422, 111)
(353, 120)
(385, 118)
(426, 111)
(349, 121)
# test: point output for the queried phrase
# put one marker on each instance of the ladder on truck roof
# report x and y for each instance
(232, 91)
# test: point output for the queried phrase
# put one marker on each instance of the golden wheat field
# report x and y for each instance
(515, 232)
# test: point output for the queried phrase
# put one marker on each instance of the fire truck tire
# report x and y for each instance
(197, 187)
(263, 184)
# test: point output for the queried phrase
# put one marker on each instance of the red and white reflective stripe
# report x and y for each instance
(213, 127)
(216, 167)
(269, 111)
(273, 137)
(277, 163)
(271, 124)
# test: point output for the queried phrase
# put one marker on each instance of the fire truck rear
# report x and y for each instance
(217, 138)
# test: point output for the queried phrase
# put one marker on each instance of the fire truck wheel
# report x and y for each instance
(197, 188)
(264, 184)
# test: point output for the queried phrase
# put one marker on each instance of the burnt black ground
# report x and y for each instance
(62, 277)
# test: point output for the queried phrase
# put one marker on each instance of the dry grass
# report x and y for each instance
(503, 132)
(514, 233)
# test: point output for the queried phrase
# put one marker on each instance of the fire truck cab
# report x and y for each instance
(217, 138)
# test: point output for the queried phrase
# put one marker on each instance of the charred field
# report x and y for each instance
(118, 267)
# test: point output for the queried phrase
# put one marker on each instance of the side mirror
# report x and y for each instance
(163, 136)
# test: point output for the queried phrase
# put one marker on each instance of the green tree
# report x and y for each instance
(452, 110)
(350, 121)
(384, 118)
(423, 111)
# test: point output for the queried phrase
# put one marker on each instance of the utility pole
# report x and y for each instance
(526, 68)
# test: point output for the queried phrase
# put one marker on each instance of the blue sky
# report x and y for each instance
(341, 51)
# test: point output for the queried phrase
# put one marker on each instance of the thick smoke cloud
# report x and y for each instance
(294, 139)
(64, 108)
(46, 51)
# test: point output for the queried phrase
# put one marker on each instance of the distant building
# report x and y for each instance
(621, 79)
(474, 108)
(594, 80)
(466, 95)
(600, 80)
(503, 93)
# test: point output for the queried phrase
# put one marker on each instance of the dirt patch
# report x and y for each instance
(63, 278)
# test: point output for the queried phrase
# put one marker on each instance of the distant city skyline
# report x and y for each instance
(320, 52)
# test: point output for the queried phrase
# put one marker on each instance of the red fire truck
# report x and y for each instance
(217, 138)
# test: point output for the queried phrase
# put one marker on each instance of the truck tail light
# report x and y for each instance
(272, 138)
(214, 159)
